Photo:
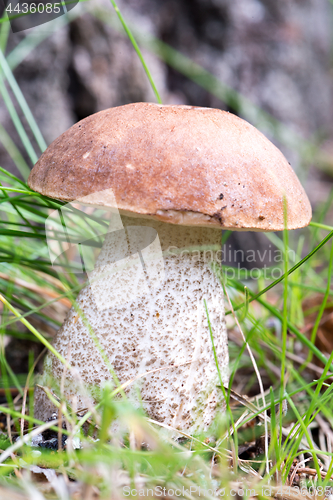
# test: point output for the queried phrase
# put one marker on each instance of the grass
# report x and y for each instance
(275, 438)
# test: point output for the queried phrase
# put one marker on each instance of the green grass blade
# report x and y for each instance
(285, 315)
(12, 177)
(305, 432)
(274, 283)
(14, 153)
(17, 123)
(322, 308)
(137, 50)
(34, 331)
(305, 341)
(36, 37)
(4, 32)
(22, 102)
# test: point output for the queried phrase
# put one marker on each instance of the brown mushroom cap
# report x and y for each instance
(179, 164)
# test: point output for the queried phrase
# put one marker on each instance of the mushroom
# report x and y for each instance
(177, 176)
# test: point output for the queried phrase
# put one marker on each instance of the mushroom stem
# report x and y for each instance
(146, 305)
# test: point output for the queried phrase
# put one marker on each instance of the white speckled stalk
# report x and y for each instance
(150, 317)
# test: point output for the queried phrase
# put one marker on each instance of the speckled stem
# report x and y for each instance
(148, 313)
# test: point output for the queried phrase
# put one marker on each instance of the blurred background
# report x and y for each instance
(269, 62)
